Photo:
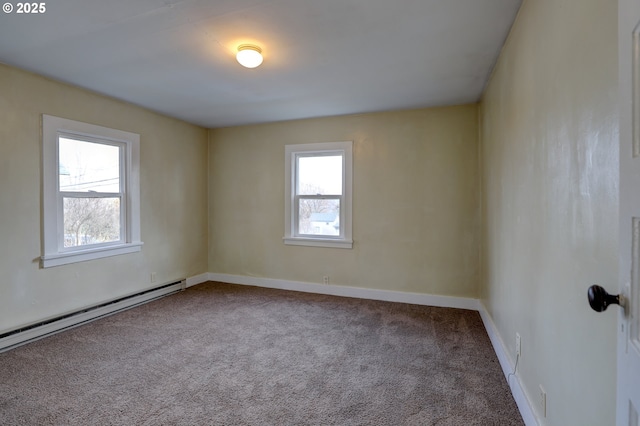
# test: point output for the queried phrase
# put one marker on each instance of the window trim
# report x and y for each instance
(55, 255)
(292, 237)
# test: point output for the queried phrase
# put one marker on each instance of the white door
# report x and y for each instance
(628, 396)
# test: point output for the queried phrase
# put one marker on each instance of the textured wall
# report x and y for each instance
(173, 202)
(549, 160)
(415, 212)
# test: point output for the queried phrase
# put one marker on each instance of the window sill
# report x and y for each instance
(318, 242)
(57, 259)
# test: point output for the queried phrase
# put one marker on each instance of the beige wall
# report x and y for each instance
(549, 158)
(173, 202)
(415, 212)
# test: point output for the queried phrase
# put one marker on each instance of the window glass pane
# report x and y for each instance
(319, 217)
(320, 175)
(91, 221)
(88, 167)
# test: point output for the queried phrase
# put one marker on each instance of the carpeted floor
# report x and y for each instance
(220, 354)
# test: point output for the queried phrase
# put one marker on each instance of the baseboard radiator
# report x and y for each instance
(23, 335)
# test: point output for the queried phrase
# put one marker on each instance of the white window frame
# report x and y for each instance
(292, 236)
(54, 252)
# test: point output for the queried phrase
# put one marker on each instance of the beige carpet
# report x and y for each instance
(220, 354)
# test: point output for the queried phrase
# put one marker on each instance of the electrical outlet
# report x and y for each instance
(518, 345)
(153, 277)
(543, 402)
(325, 280)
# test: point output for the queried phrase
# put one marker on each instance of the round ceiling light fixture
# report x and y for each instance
(249, 56)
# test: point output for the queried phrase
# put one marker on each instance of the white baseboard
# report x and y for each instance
(198, 279)
(523, 403)
(83, 316)
(355, 292)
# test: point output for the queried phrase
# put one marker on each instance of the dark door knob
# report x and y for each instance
(599, 299)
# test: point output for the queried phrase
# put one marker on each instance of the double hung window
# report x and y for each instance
(318, 194)
(90, 190)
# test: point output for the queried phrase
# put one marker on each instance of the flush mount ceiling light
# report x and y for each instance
(249, 56)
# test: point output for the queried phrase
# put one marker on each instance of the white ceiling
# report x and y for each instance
(322, 57)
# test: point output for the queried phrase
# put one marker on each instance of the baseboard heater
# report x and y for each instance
(20, 336)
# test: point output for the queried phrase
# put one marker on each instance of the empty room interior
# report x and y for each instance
(477, 151)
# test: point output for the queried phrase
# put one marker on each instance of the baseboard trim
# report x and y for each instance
(197, 279)
(355, 292)
(523, 403)
(56, 325)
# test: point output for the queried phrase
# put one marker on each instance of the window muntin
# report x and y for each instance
(318, 187)
(91, 193)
